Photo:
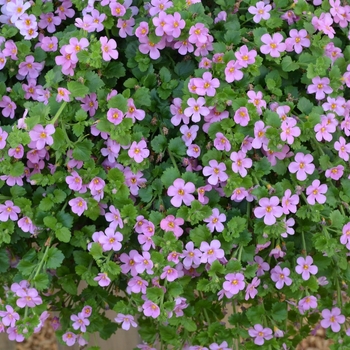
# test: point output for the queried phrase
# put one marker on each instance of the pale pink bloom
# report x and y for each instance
(305, 267)
(234, 283)
(174, 24)
(302, 166)
(102, 279)
(251, 290)
(289, 202)
(169, 273)
(126, 27)
(115, 116)
(177, 113)
(108, 48)
(260, 11)
(134, 113)
(181, 192)
(297, 41)
(316, 192)
(307, 303)
(196, 109)
(126, 321)
(62, 95)
(289, 130)
(159, 5)
(335, 105)
(323, 131)
(260, 334)
(262, 266)
(256, 99)
(216, 172)
(233, 71)
(259, 135)
(332, 318)
(198, 34)
(211, 252)
(78, 205)
(193, 151)
(273, 45)
(269, 210)
(240, 163)
(320, 86)
(343, 148)
(245, 57)
(215, 221)
(208, 85)
(117, 9)
(69, 338)
(201, 194)
(9, 211)
(335, 173)
(147, 46)
(138, 151)
(280, 276)
(241, 116)
(184, 47)
(221, 143)
(150, 309)
(189, 134)
(170, 223)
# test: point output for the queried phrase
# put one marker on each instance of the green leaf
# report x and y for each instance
(142, 97)
(63, 234)
(54, 258)
(159, 143)
(69, 285)
(94, 82)
(279, 311)
(17, 169)
(5, 260)
(129, 211)
(169, 176)
(177, 146)
(184, 69)
(26, 267)
(41, 281)
(77, 89)
(118, 101)
(288, 65)
(188, 324)
(82, 150)
(154, 294)
(337, 219)
(115, 70)
(304, 105)
(164, 74)
(46, 204)
(200, 234)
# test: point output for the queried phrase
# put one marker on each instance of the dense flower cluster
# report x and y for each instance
(192, 155)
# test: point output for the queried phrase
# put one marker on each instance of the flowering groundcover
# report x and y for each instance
(177, 157)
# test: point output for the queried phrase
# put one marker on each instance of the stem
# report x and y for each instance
(342, 210)
(304, 243)
(43, 258)
(170, 154)
(58, 113)
(339, 298)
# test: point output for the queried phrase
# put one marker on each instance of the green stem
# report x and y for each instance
(43, 258)
(58, 113)
(339, 298)
(304, 243)
(342, 210)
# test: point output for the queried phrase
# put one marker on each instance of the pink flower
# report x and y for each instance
(29, 297)
(9, 107)
(115, 116)
(69, 338)
(234, 283)
(9, 211)
(332, 318)
(126, 321)
(26, 225)
(196, 109)
(17, 152)
(147, 46)
(269, 210)
(143, 263)
(201, 194)
(289, 130)
(102, 279)
(174, 24)
(343, 148)
(111, 240)
(289, 202)
(9, 317)
(256, 99)
(233, 72)
(138, 151)
(208, 85)
(41, 136)
(211, 252)
(169, 273)
(78, 205)
(108, 48)
(245, 57)
(150, 309)
(316, 192)
(251, 290)
(80, 322)
(62, 95)
(335, 173)
(74, 181)
(345, 237)
(177, 113)
(129, 263)
(193, 151)
(323, 130)
(302, 166)
(215, 221)
(191, 255)
(297, 41)
(241, 116)
(240, 163)
(307, 303)
(216, 172)
(274, 45)
(221, 143)
(126, 27)
(261, 11)
(170, 223)
(320, 86)
(181, 192)
(281, 276)
(114, 217)
(262, 266)
(260, 334)
(3, 137)
(305, 267)
(189, 134)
